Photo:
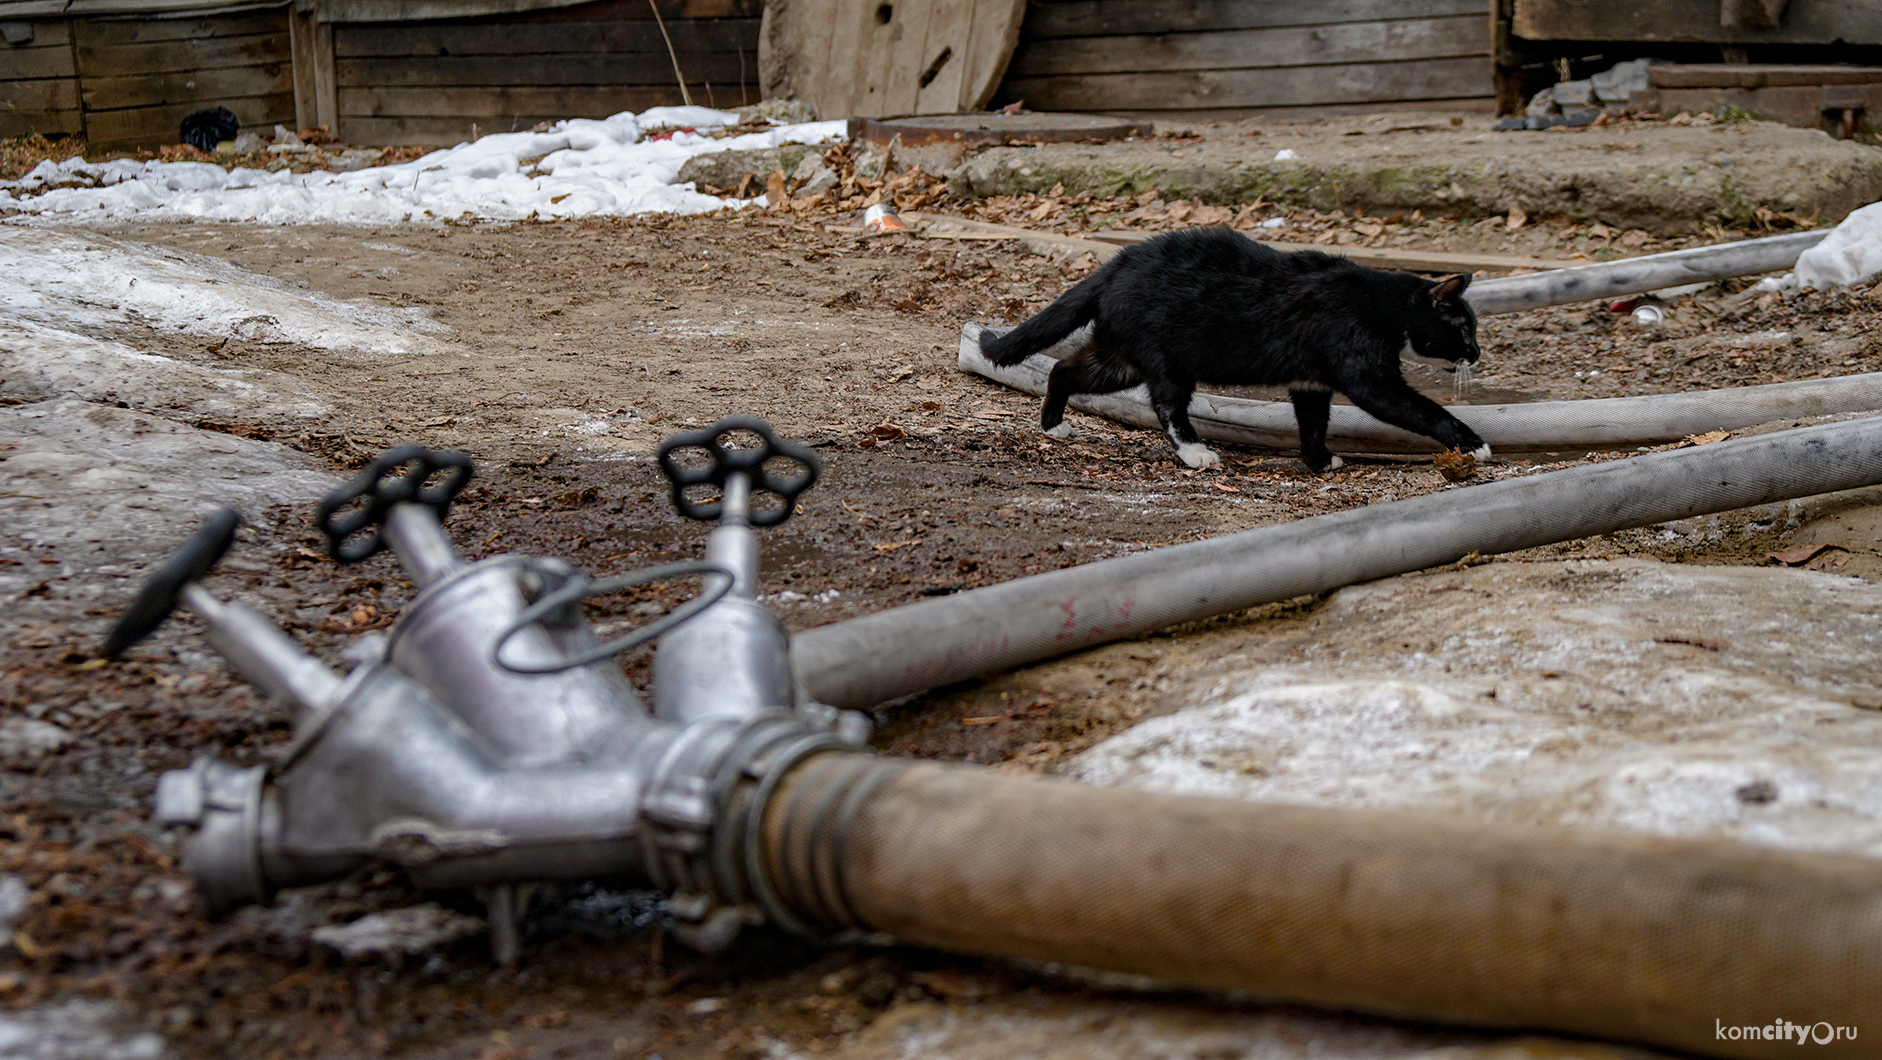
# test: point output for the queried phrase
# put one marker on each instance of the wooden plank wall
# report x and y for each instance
(139, 77)
(40, 91)
(445, 81)
(1200, 59)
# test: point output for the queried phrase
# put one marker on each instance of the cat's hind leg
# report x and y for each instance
(1311, 410)
(1088, 371)
(1171, 402)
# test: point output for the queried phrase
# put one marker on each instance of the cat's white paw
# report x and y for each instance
(1062, 431)
(1335, 463)
(1482, 452)
(1197, 455)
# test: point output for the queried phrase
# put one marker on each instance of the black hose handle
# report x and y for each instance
(353, 534)
(158, 597)
(757, 464)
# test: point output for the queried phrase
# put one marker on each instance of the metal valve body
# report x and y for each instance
(493, 741)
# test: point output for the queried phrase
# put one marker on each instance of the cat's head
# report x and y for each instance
(1441, 325)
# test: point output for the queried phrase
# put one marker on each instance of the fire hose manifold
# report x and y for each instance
(493, 743)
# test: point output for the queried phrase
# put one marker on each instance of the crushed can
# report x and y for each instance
(882, 218)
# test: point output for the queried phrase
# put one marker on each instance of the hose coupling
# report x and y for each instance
(222, 803)
(702, 813)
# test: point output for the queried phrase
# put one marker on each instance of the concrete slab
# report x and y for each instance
(1668, 179)
(1708, 702)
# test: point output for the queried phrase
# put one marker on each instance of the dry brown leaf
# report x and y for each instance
(1456, 465)
(1517, 218)
(1708, 438)
(1798, 555)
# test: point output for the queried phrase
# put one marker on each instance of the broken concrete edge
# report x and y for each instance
(1665, 203)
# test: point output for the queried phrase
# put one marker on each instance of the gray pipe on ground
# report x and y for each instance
(862, 661)
(1674, 943)
(1541, 426)
(1650, 272)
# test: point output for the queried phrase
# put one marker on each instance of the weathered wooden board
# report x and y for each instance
(1294, 86)
(45, 123)
(441, 131)
(38, 97)
(1354, 42)
(311, 41)
(39, 84)
(670, 10)
(509, 11)
(30, 63)
(631, 68)
(47, 33)
(442, 82)
(196, 88)
(379, 40)
(182, 56)
(151, 126)
(1804, 22)
(1758, 75)
(502, 103)
(136, 31)
(878, 58)
(1090, 18)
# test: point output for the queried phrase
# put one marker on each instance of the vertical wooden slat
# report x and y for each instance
(915, 24)
(950, 20)
(990, 47)
(322, 82)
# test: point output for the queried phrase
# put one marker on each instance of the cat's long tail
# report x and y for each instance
(1073, 310)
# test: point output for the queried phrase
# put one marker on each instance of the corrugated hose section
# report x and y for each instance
(1673, 943)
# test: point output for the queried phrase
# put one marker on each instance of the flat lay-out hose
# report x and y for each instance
(1674, 943)
(865, 660)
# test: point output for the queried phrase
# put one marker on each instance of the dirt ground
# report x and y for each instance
(579, 345)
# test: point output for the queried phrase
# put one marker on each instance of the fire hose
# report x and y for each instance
(491, 742)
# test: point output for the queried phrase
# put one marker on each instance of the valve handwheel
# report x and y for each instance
(760, 464)
(429, 477)
(158, 597)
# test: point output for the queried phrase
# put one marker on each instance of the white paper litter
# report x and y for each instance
(1851, 253)
(576, 168)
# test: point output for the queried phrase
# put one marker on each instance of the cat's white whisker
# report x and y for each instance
(1462, 389)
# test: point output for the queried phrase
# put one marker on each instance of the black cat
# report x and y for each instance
(1210, 305)
(205, 129)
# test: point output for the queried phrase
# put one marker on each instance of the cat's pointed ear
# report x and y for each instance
(1450, 288)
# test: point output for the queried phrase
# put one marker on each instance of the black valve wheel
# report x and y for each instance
(157, 599)
(745, 445)
(350, 517)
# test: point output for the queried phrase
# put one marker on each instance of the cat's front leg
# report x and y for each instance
(1398, 404)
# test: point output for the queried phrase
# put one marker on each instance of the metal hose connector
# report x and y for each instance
(699, 831)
